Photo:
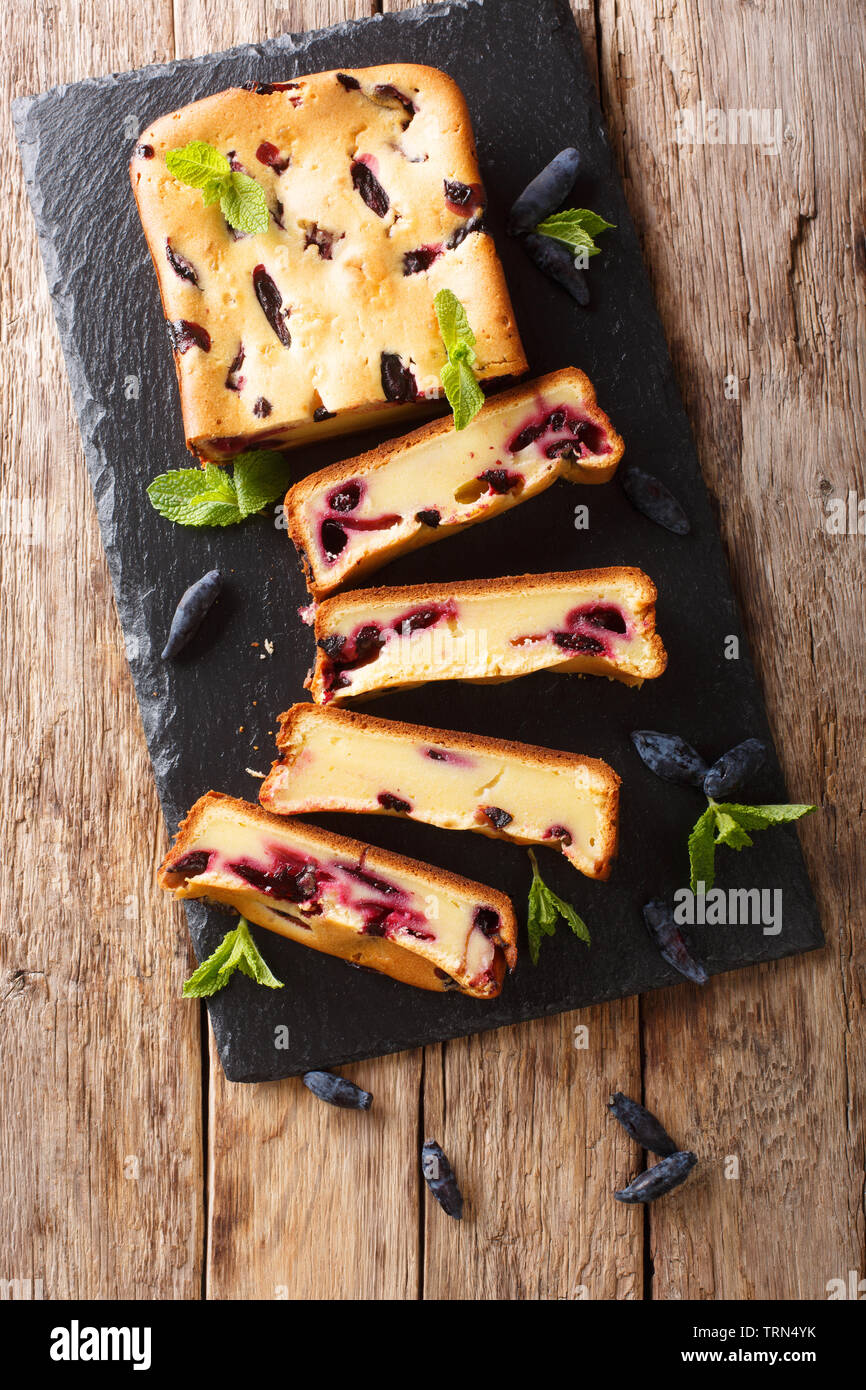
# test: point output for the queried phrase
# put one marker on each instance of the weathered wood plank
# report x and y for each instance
(100, 1147)
(522, 1114)
(307, 1201)
(758, 269)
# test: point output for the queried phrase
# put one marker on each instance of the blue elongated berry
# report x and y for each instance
(735, 767)
(656, 501)
(669, 756)
(336, 1090)
(188, 616)
(439, 1177)
(661, 1178)
(555, 261)
(660, 924)
(544, 194)
(641, 1124)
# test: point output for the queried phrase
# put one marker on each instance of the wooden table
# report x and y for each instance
(130, 1167)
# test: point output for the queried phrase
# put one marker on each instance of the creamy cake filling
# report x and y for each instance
(336, 761)
(429, 488)
(601, 628)
(277, 879)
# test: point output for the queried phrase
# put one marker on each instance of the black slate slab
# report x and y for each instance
(209, 716)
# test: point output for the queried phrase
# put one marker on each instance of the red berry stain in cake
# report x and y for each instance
(269, 155)
(558, 832)
(387, 93)
(443, 755)
(398, 380)
(266, 89)
(191, 864)
(561, 432)
(144, 151)
(271, 302)
(351, 84)
(359, 648)
(604, 615)
(365, 182)
(486, 919)
(185, 335)
(323, 240)
(289, 877)
(501, 481)
(463, 198)
(346, 497)
(429, 516)
(496, 816)
(389, 802)
(421, 259)
(262, 408)
(234, 381)
(582, 629)
(181, 266)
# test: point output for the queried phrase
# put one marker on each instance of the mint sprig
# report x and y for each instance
(242, 200)
(545, 910)
(576, 227)
(461, 388)
(236, 951)
(211, 496)
(728, 823)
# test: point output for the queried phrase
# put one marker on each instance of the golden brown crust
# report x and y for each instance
(645, 590)
(212, 414)
(608, 781)
(381, 455)
(326, 841)
(595, 468)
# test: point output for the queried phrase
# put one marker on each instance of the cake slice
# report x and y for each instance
(335, 760)
(593, 622)
(418, 924)
(323, 323)
(355, 516)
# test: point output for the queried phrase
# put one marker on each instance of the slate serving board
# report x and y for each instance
(211, 714)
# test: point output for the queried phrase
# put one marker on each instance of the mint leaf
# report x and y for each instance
(762, 817)
(196, 497)
(729, 833)
(464, 395)
(461, 388)
(545, 910)
(453, 322)
(210, 510)
(260, 476)
(244, 205)
(212, 497)
(702, 851)
(171, 493)
(576, 227)
(236, 951)
(242, 200)
(199, 165)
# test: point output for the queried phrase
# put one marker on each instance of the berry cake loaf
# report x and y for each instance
(421, 925)
(325, 321)
(355, 516)
(590, 622)
(335, 760)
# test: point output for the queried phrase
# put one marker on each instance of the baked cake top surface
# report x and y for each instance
(374, 193)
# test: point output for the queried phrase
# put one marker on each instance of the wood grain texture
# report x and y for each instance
(100, 1147)
(522, 1114)
(757, 263)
